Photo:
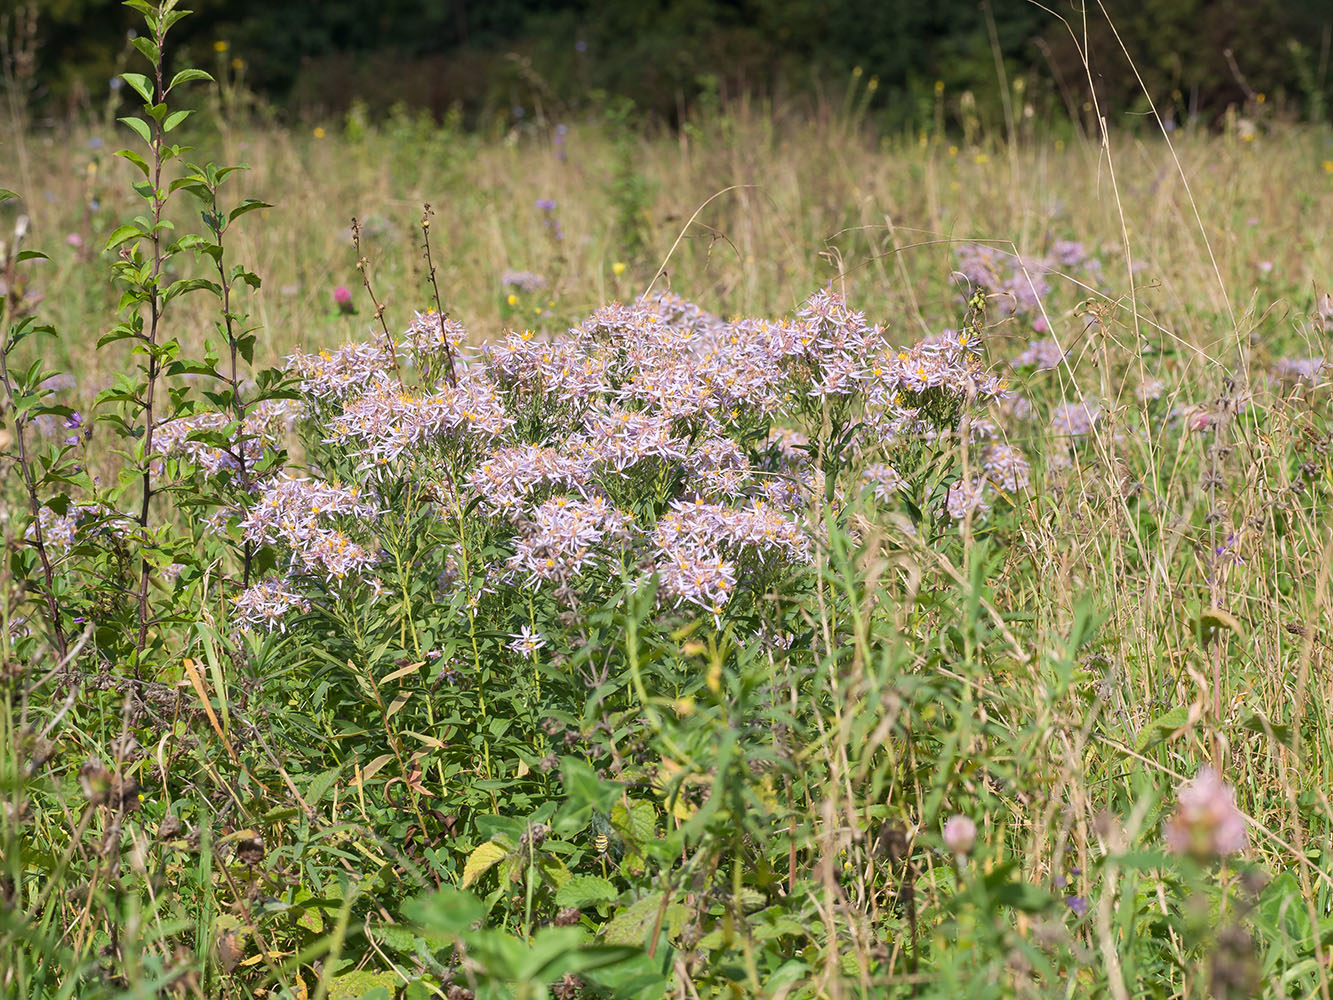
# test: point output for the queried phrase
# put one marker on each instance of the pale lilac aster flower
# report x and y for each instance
(1040, 355)
(265, 604)
(1075, 419)
(526, 642)
(884, 479)
(967, 498)
(1007, 467)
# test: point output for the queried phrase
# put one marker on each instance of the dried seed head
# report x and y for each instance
(95, 780)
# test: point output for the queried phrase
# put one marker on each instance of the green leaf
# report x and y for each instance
(1162, 727)
(134, 157)
(482, 860)
(636, 922)
(148, 48)
(7, 195)
(585, 890)
(320, 785)
(141, 84)
(363, 986)
(140, 127)
(186, 75)
(636, 824)
(1257, 722)
(448, 912)
(249, 205)
(121, 234)
(30, 255)
(175, 118)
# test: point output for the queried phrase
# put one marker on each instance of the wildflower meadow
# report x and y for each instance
(581, 559)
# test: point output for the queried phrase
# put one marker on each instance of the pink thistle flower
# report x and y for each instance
(1206, 823)
(343, 297)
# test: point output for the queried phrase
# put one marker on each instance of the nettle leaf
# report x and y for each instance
(637, 823)
(585, 890)
(482, 860)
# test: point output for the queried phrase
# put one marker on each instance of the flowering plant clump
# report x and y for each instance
(654, 442)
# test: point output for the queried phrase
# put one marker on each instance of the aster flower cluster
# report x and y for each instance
(264, 426)
(297, 513)
(265, 605)
(80, 522)
(648, 439)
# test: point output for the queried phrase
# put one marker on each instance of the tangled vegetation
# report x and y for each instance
(649, 652)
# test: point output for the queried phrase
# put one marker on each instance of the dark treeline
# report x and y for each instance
(488, 57)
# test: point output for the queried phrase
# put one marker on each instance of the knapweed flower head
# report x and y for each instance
(1206, 824)
(959, 835)
(1301, 371)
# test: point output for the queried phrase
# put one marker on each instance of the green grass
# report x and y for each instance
(1054, 672)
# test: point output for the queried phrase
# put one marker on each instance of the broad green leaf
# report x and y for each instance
(141, 85)
(482, 860)
(140, 128)
(363, 986)
(175, 118)
(585, 890)
(186, 75)
(1162, 727)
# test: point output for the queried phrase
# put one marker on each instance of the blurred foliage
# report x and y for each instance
(524, 57)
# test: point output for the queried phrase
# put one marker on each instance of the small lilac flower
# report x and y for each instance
(526, 642)
(1077, 904)
(967, 498)
(1206, 823)
(546, 204)
(960, 835)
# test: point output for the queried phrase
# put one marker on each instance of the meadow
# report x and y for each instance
(768, 558)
